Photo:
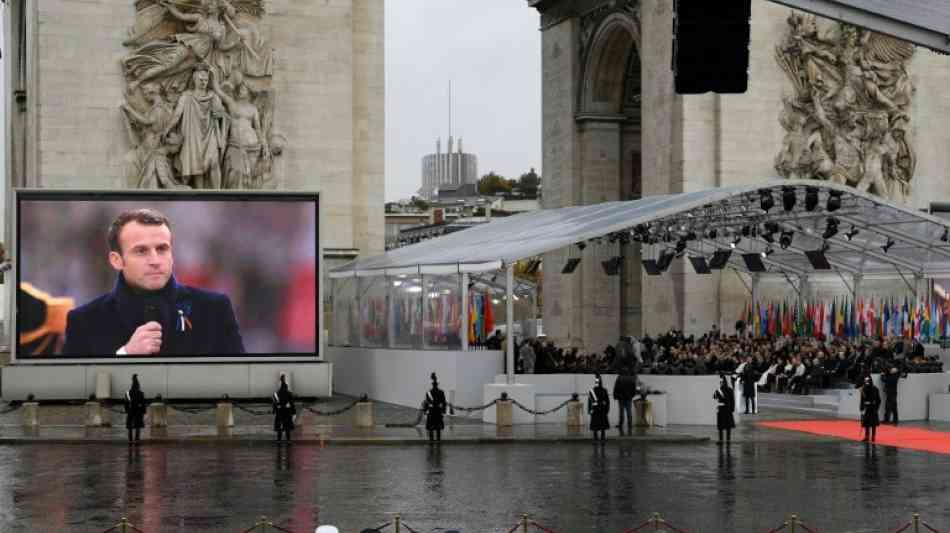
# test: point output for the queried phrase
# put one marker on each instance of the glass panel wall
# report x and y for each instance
(345, 315)
(373, 326)
(405, 311)
(441, 312)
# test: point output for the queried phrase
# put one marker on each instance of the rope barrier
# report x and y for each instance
(916, 522)
(473, 409)
(192, 410)
(418, 421)
(547, 412)
(794, 521)
(542, 528)
(657, 522)
(123, 526)
(251, 411)
(332, 413)
(12, 406)
(264, 524)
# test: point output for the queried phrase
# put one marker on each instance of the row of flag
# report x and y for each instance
(845, 318)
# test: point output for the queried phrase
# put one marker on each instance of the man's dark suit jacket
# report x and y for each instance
(105, 324)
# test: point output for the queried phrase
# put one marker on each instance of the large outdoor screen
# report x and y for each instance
(142, 276)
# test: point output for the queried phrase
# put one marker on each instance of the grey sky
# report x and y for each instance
(491, 50)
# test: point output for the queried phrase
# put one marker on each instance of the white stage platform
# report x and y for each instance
(913, 396)
(402, 376)
(171, 380)
(687, 399)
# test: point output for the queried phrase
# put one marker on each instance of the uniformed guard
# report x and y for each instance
(135, 410)
(284, 410)
(435, 405)
(870, 403)
(725, 405)
(598, 406)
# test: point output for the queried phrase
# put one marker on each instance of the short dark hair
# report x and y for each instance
(147, 217)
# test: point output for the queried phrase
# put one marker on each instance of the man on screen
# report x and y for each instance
(148, 313)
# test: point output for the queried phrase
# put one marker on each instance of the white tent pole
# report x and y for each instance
(509, 320)
(464, 326)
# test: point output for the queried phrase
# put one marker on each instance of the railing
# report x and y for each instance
(526, 525)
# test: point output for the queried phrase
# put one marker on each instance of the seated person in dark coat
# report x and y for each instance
(148, 313)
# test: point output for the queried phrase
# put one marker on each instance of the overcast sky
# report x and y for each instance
(491, 50)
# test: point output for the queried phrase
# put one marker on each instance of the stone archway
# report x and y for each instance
(609, 165)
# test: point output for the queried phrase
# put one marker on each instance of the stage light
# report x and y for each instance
(887, 246)
(850, 234)
(834, 201)
(768, 234)
(788, 198)
(786, 239)
(831, 228)
(811, 198)
(768, 251)
(765, 200)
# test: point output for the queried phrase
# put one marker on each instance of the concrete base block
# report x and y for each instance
(94, 414)
(364, 415)
(574, 417)
(503, 413)
(939, 407)
(30, 414)
(224, 416)
(523, 393)
(157, 415)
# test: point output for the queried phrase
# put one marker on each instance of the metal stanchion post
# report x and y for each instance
(524, 523)
(793, 522)
(396, 522)
(916, 521)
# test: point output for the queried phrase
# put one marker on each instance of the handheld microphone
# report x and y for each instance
(153, 312)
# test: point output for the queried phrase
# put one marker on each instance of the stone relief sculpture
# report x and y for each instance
(199, 96)
(848, 117)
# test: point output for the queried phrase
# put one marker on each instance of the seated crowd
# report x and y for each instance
(793, 364)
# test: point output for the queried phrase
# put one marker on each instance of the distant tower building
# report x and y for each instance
(450, 169)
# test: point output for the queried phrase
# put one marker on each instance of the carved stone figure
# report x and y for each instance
(847, 119)
(189, 50)
(246, 145)
(148, 165)
(200, 115)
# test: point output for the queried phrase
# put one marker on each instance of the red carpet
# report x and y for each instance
(900, 437)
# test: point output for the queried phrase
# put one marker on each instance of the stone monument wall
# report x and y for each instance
(314, 72)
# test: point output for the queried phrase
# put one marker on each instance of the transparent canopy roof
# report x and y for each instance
(858, 233)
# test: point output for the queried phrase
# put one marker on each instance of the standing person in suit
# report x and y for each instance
(598, 406)
(749, 379)
(435, 406)
(889, 381)
(284, 409)
(725, 405)
(625, 388)
(135, 410)
(870, 403)
(148, 313)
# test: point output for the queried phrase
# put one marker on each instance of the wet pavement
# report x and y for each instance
(565, 484)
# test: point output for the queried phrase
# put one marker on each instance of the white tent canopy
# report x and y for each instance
(874, 236)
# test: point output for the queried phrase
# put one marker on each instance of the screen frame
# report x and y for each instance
(13, 237)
